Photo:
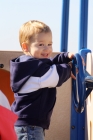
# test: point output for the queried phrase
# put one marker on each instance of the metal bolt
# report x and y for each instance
(73, 127)
(1, 65)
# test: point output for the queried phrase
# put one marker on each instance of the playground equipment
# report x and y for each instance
(81, 89)
(78, 127)
(83, 85)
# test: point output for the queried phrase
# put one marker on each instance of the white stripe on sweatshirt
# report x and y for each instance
(49, 79)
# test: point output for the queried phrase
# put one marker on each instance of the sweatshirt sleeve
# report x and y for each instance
(64, 73)
(61, 58)
(55, 76)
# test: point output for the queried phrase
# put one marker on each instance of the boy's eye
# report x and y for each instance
(49, 44)
(41, 44)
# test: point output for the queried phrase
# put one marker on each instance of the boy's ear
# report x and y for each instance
(25, 47)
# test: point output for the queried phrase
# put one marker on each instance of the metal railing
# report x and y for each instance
(83, 85)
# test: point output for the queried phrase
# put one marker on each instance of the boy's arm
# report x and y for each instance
(56, 76)
(61, 58)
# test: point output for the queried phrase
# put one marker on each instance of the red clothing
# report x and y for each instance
(7, 120)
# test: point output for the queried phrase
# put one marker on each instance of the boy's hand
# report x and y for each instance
(83, 62)
(72, 75)
(70, 55)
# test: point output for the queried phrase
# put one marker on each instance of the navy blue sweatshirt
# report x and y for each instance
(34, 83)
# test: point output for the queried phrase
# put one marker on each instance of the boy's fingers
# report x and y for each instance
(83, 62)
(70, 55)
(77, 71)
(73, 76)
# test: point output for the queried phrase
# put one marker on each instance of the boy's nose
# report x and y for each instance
(46, 47)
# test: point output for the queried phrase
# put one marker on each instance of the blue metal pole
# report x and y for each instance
(83, 45)
(83, 24)
(78, 120)
(64, 28)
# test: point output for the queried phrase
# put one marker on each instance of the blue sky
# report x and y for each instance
(14, 13)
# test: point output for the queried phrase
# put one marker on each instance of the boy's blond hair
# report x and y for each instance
(31, 28)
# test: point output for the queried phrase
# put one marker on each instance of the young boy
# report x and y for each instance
(34, 78)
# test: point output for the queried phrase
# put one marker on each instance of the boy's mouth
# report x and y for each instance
(45, 55)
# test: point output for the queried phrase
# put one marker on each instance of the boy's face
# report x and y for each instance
(41, 47)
